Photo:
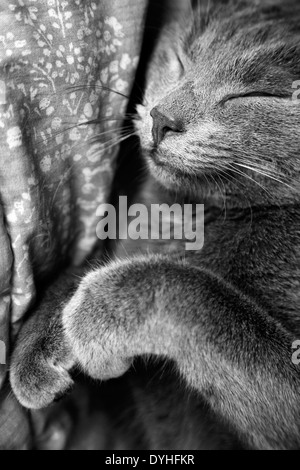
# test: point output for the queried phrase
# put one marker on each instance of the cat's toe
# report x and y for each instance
(37, 381)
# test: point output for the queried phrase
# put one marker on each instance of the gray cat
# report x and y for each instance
(218, 123)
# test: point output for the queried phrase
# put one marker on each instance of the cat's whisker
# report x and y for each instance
(101, 87)
(121, 132)
(231, 178)
(118, 141)
(257, 170)
(275, 175)
(49, 138)
(245, 175)
(100, 120)
(259, 166)
(113, 131)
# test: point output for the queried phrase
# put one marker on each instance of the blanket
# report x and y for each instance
(66, 70)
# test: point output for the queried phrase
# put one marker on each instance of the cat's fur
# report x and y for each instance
(227, 315)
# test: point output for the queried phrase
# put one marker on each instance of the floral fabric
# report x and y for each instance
(58, 60)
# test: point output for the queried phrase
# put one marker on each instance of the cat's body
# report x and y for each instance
(223, 129)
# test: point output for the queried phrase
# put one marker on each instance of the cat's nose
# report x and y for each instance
(163, 123)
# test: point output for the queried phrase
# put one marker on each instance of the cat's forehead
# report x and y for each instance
(247, 48)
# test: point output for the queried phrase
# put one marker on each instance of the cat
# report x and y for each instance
(218, 123)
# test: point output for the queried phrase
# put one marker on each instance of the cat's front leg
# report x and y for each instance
(224, 344)
(105, 323)
(114, 316)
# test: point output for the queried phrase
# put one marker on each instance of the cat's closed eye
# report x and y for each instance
(253, 94)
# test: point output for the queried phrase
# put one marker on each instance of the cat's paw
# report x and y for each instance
(96, 324)
(40, 364)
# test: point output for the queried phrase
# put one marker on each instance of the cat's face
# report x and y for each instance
(218, 102)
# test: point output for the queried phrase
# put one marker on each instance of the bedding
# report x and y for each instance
(59, 61)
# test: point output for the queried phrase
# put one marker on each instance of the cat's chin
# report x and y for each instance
(164, 173)
(172, 179)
